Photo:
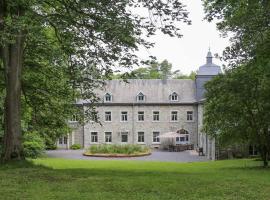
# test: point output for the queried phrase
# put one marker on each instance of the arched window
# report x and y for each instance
(107, 97)
(174, 96)
(140, 97)
(183, 137)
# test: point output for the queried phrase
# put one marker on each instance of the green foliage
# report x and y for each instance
(49, 178)
(68, 49)
(249, 21)
(155, 70)
(76, 146)
(33, 145)
(118, 149)
(238, 108)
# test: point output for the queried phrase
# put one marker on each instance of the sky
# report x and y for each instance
(189, 52)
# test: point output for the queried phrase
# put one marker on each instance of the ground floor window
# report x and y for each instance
(65, 140)
(94, 137)
(108, 137)
(156, 136)
(124, 137)
(140, 136)
(62, 140)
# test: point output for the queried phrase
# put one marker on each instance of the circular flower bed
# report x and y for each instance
(114, 150)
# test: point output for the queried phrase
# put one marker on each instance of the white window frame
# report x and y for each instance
(177, 117)
(124, 133)
(106, 137)
(140, 94)
(74, 118)
(157, 138)
(188, 116)
(121, 119)
(91, 137)
(153, 118)
(107, 95)
(173, 95)
(139, 115)
(141, 137)
(106, 115)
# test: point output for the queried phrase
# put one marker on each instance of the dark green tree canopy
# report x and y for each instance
(52, 49)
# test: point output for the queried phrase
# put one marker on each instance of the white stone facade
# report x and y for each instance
(182, 98)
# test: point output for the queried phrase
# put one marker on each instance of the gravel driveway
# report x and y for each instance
(164, 156)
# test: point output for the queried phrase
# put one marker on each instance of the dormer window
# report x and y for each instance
(107, 97)
(174, 96)
(140, 97)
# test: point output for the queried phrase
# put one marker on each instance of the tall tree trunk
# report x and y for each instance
(13, 55)
(12, 58)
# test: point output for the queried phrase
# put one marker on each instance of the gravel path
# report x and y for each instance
(164, 156)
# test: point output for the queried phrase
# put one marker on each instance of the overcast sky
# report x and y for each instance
(189, 52)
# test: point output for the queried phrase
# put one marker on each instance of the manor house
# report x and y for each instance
(140, 110)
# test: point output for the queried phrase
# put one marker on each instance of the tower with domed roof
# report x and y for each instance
(205, 73)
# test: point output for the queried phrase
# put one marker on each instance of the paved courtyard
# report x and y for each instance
(164, 156)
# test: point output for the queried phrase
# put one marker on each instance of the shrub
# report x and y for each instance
(118, 149)
(76, 146)
(33, 145)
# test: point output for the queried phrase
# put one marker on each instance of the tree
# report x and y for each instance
(237, 107)
(247, 21)
(155, 70)
(93, 37)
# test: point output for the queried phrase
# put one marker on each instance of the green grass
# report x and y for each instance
(51, 178)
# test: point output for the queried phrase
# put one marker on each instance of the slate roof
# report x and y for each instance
(155, 90)
(209, 68)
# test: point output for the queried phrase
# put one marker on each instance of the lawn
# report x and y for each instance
(51, 178)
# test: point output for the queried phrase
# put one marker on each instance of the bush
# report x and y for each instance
(33, 145)
(76, 146)
(118, 149)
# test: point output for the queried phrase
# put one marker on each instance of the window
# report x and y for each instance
(155, 115)
(65, 140)
(94, 137)
(140, 97)
(60, 141)
(174, 96)
(124, 116)
(156, 137)
(74, 118)
(124, 137)
(174, 116)
(140, 136)
(107, 97)
(141, 116)
(189, 115)
(108, 137)
(108, 116)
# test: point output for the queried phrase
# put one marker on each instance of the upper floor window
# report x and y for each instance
(155, 115)
(108, 116)
(107, 97)
(124, 116)
(174, 96)
(140, 97)
(189, 115)
(141, 116)
(174, 116)
(74, 118)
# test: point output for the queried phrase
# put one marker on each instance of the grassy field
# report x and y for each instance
(50, 178)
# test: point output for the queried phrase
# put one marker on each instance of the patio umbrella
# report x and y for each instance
(169, 135)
